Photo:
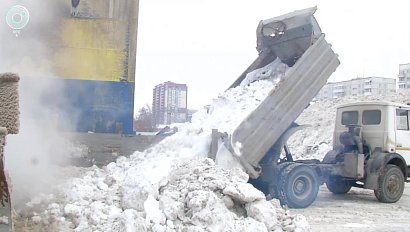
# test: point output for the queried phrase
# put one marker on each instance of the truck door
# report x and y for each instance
(403, 134)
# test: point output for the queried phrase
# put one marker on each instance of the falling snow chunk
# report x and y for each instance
(4, 220)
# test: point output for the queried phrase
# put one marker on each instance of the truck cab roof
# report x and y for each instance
(378, 103)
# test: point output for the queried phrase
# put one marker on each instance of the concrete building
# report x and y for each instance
(169, 104)
(404, 76)
(357, 87)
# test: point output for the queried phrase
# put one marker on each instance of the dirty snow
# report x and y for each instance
(171, 186)
(174, 187)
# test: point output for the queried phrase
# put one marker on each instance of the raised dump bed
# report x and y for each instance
(297, 40)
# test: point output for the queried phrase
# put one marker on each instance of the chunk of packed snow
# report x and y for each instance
(272, 71)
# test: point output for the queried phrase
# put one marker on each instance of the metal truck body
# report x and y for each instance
(384, 125)
(380, 132)
(370, 139)
(297, 40)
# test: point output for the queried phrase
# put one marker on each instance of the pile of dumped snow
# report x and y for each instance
(230, 108)
(200, 196)
(196, 196)
(145, 193)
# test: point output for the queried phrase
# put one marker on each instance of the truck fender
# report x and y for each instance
(376, 164)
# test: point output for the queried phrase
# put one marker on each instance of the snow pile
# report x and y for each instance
(272, 71)
(200, 196)
(314, 141)
(196, 196)
(150, 192)
(230, 108)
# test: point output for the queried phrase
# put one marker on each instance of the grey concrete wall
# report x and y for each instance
(9, 102)
(101, 149)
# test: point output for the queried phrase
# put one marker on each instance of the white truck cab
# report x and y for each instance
(384, 126)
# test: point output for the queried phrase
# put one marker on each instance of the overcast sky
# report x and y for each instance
(207, 44)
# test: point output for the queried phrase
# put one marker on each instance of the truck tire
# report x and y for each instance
(390, 184)
(338, 185)
(273, 185)
(298, 186)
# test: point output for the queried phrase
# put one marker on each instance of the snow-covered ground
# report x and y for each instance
(172, 186)
(357, 210)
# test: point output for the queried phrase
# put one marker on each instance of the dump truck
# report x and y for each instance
(256, 145)
(9, 124)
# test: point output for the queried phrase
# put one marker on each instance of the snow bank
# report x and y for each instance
(197, 195)
(171, 186)
(174, 187)
(200, 196)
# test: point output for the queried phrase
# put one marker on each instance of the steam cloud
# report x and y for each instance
(32, 154)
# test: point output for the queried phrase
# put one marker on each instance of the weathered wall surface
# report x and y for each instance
(3, 133)
(92, 56)
(9, 123)
(9, 102)
(102, 149)
(98, 44)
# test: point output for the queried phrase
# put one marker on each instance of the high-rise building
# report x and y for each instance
(357, 87)
(404, 76)
(169, 104)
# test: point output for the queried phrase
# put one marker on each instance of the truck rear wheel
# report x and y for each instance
(390, 184)
(298, 186)
(338, 185)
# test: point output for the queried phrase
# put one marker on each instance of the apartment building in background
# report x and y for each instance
(169, 104)
(357, 87)
(404, 76)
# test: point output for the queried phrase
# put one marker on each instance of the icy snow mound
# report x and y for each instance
(230, 108)
(272, 71)
(196, 196)
(129, 195)
(200, 196)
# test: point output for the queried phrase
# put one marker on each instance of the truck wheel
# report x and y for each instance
(390, 184)
(338, 185)
(298, 186)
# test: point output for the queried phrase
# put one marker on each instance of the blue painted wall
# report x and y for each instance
(91, 106)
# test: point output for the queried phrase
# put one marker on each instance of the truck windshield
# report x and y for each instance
(350, 117)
